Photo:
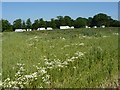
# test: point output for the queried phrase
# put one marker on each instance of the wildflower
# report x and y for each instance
(74, 67)
(28, 76)
(60, 65)
(63, 38)
(35, 37)
(73, 57)
(65, 63)
(47, 63)
(43, 71)
(48, 82)
(79, 53)
(49, 67)
(81, 44)
(105, 36)
(69, 60)
(84, 36)
(45, 59)
(66, 45)
(44, 56)
(8, 79)
(22, 69)
(46, 79)
(47, 76)
(76, 57)
(35, 74)
(66, 54)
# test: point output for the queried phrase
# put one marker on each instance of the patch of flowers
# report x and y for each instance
(23, 80)
(41, 75)
(105, 36)
(57, 63)
(73, 44)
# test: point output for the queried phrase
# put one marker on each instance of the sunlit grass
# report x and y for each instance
(97, 67)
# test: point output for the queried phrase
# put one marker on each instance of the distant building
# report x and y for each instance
(86, 27)
(103, 26)
(24, 30)
(49, 28)
(64, 27)
(95, 27)
(41, 29)
(19, 30)
(72, 27)
(29, 29)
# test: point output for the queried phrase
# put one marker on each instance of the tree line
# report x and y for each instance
(97, 20)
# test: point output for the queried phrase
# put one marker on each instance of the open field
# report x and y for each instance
(78, 58)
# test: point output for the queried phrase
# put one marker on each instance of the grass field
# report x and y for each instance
(79, 58)
(0, 59)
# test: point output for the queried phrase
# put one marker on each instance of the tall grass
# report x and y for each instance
(0, 59)
(78, 58)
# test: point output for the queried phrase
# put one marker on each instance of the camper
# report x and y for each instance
(64, 27)
(41, 29)
(49, 28)
(19, 30)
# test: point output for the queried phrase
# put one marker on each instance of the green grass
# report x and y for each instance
(98, 67)
(0, 59)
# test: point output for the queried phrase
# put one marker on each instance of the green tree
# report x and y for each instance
(72, 22)
(89, 22)
(57, 23)
(114, 23)
(35, 25)
(101, 19)
(52, 23)
(17, 24)
(23, 25)
(68, 21)
(6, 26)
(80, 22)
(48, 23)
(61, 21)
(42, 23)
(28, 23)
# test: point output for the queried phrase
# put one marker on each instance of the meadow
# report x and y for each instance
(78, 58)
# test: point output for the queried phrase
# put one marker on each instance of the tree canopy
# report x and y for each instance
(97, 20)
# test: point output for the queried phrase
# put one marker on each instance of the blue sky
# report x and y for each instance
(60, 0)
(0, 10)
(48, 10)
